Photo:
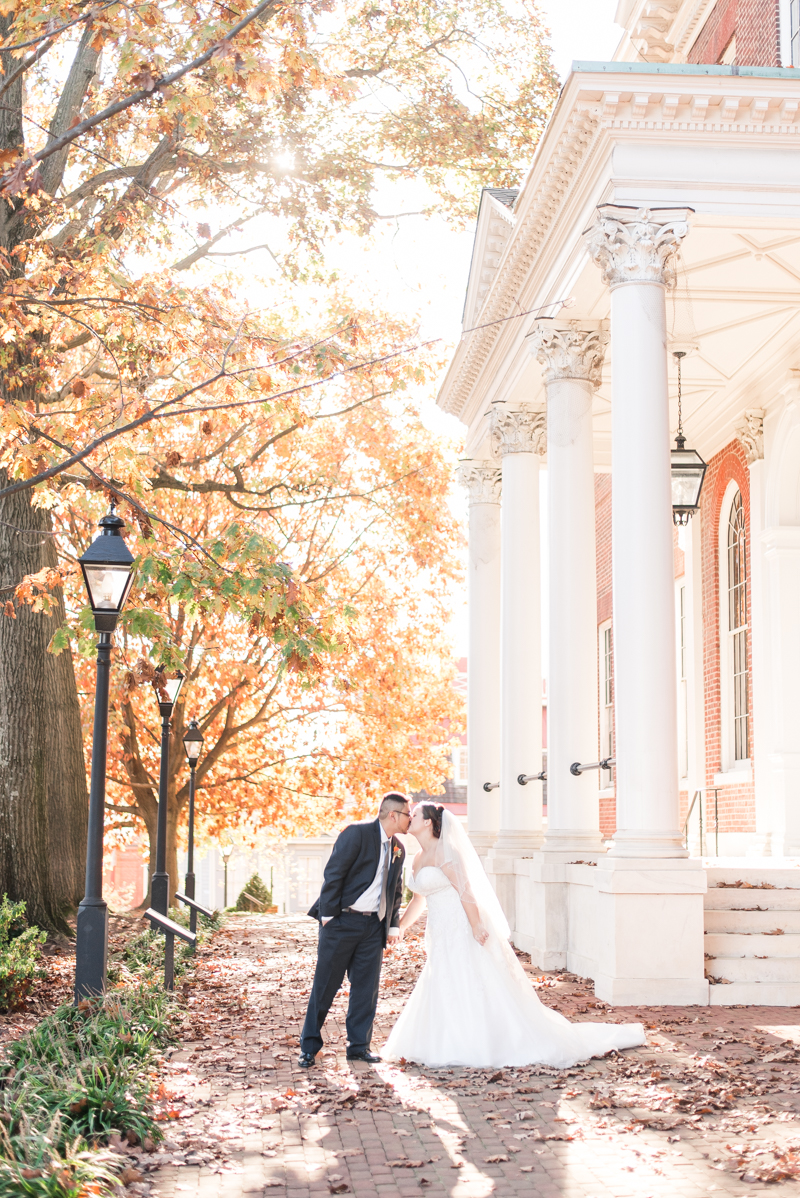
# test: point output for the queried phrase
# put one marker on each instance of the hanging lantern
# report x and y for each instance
(688, 468)
(107, 567)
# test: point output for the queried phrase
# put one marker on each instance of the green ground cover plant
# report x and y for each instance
(85, 1073)
(20, 955)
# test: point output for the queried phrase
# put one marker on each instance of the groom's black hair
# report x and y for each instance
(392, 800)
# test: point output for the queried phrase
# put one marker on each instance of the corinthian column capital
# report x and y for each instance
(518, 428)
(637, 246)
(482, 480)
(750, 431)
(569, 352)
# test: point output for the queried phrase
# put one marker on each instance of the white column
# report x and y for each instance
(483, 483)
(519, 437)
(635, 252)
(648, 897)
(573, 360)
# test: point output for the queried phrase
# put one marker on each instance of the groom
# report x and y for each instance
(359, 912)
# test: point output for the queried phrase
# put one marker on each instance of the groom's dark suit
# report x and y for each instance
(352, 942)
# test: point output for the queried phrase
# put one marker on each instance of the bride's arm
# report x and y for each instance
(468, 903)
(412, 912)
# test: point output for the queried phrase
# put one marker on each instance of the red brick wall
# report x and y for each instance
(756, 25)
(736, 803)
(758, 42)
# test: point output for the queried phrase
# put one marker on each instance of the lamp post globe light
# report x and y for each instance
(687, 467)
(107, 567)
(226, 853)
(166, 691)
(193, 744)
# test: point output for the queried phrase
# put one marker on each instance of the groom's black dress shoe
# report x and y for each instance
(371, 1058)
(306, 1060)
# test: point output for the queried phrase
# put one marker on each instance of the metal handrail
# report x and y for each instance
(524, 779)
(698, 794)
(577, 768)
(490, 785)
(704, 790)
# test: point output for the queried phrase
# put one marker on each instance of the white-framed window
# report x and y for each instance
(734, 633)
(460, 766)
(605, 647)
(738, 627)
(682, 658)
(790, 32)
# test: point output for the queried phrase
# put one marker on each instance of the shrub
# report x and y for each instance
(258, 890)
(20, 952)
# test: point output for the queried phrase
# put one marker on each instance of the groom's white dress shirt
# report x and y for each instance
(370, 900)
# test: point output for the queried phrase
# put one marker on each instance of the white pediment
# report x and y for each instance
(492, 231)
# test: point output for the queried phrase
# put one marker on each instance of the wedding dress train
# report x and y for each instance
(473, 1004)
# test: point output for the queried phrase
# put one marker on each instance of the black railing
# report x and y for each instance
(524, 779)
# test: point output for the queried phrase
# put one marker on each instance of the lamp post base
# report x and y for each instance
(91, 949)
(159, 893)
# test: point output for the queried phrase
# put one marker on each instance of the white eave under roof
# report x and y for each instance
(639, 133)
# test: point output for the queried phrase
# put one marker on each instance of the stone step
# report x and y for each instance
(738, 921)
(755, 994)
(727, 899)
(751, 969)
(779, 875)
(753, 945)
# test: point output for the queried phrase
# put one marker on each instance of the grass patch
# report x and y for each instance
(86, 1073)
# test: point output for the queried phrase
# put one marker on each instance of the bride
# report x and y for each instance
(473, 1004)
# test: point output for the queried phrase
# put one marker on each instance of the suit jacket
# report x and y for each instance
(351, 868)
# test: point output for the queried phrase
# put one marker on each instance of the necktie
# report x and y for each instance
(384, 881)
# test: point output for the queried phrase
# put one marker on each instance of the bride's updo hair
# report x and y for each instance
(434, 814)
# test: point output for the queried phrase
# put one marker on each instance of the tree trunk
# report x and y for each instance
(25, 871)
(173, 815)
(65, 766)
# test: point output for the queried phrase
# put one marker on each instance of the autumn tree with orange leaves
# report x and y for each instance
(285, 501)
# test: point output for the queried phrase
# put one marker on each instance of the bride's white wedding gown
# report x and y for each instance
(473, 1004)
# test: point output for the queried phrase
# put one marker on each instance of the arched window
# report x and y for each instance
(737, 627)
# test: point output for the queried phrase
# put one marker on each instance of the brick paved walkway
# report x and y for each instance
(708, 1107)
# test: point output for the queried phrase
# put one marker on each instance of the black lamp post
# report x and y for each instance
(166, 692)
(688, 468)
(107, 567)
(193, 744)
(226, 853)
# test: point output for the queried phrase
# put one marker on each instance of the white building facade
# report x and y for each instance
(660, 214)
